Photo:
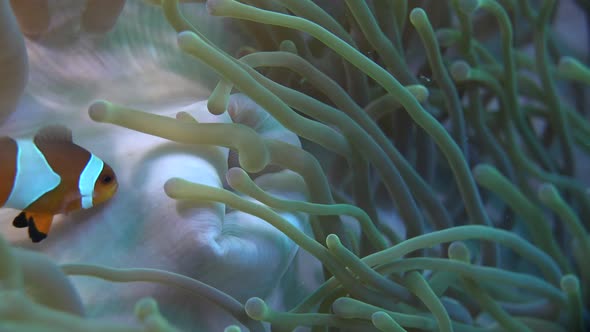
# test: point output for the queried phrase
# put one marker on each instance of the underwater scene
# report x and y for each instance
(294, 165)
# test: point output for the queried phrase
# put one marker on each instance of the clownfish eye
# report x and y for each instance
(106, 179)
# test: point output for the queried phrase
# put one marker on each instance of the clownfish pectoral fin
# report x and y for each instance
(20, 221)
(39, 225)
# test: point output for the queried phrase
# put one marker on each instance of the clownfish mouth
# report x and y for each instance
(99, 197)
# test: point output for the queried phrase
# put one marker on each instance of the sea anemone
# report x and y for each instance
(366, 165)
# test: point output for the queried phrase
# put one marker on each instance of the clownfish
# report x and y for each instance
(50, 175)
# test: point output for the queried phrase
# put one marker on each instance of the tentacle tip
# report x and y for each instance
(232, 328)
(214, 108)
(145, 308)
(171, 187)
(420, 92)
(99, 110)
(570, 284)
(236, 177)
(459, 251)
(256, 308)
(333, 241)
(460, 70)
(418, 16)
(186, 39)
(547, 192)
(345, 307)
(288, 46)
(480, 169)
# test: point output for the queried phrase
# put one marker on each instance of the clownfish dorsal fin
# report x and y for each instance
(53, 134)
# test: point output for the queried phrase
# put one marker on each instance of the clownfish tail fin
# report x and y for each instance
(20, 221)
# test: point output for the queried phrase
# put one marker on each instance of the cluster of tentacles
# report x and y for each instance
(455, 147)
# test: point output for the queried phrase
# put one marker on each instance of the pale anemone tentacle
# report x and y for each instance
(514, 120)
(37, 296)
(236, 243)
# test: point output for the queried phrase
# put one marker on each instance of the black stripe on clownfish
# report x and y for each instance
(50, 175)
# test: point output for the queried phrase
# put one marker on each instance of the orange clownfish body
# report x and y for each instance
(50, 175)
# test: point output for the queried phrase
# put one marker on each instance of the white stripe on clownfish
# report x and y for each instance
(88, 179)
(26, 188)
